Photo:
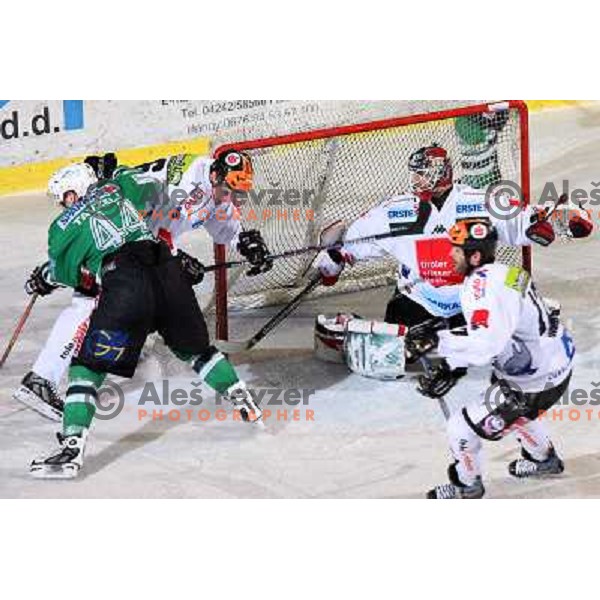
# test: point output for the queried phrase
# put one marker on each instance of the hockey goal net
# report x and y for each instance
(306, 181)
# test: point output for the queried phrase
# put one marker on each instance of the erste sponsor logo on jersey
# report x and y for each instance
(470, 205)
(402, 214)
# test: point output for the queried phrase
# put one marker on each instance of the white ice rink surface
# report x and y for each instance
(368, 439)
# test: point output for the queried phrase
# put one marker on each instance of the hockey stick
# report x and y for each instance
(19, 329)
(239, 346)
(306, 250)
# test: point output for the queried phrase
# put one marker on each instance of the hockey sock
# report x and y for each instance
(534, 438)
(217, 372)
(80, 401)
(465, 446)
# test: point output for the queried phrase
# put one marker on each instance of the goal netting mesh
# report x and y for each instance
(306, 180)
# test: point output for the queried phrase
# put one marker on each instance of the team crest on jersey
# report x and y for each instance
(480, 318)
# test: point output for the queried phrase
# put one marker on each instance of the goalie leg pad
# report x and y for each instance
(375, 349)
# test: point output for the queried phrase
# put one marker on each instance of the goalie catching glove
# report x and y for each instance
(40, 282)
(253, 248)
(332, 265)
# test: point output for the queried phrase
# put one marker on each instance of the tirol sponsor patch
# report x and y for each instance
(435, 264)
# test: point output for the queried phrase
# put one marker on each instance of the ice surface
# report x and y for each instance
(368, 439)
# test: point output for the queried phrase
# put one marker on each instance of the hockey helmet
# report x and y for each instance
(74, 178)
(234, 169)
(430, 171)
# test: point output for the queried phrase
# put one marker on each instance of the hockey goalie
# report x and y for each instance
(428, 285)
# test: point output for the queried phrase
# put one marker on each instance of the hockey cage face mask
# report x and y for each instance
(429, 169)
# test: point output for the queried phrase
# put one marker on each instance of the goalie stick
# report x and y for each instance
(307, 250)
(18, 329)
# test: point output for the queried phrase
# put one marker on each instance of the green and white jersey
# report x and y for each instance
(108, 217)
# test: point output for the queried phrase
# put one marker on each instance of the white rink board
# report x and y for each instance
(41, 130)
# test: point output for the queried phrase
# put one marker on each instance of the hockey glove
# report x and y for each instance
(192, 267)
(423, 338)
(580, 227)
(440, 381)
(39, 281)
(541, 231)
(332, 265)
(88, 286)
(253, 248)
(104, 166)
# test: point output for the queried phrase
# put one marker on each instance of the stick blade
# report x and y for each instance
(232, 346)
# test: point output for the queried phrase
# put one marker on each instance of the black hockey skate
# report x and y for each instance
(63, 464)
(456, 489)
(40, 395)
(529, 467)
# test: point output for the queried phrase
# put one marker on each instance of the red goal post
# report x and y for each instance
(321, 159)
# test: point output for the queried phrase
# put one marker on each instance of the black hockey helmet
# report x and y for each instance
(476, 235)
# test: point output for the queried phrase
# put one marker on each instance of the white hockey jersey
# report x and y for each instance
(510, 327)
(426, 272)
(188, 203)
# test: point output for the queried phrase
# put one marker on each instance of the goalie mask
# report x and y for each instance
(430, 172)
(234, 169)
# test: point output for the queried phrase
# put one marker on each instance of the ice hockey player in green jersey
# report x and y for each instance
(145, 288)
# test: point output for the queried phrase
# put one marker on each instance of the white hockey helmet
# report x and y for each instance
(74, 178)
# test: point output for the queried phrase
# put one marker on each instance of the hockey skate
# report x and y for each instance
(63, 464)
(40, 395)
(529, 467)
(456, 490)
(242, 400)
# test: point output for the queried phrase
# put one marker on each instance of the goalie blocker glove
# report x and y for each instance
(253, 248)
(40, 282)
(440, 381)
